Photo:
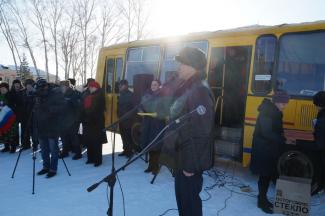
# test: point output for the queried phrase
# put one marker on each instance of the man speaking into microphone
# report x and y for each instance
(189, 150)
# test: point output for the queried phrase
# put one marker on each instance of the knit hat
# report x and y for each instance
(280, 97)
(94, 84)
(319, 99)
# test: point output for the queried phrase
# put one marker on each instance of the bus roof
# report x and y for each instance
(241, 31)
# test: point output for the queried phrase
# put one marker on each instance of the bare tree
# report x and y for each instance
(85, 15)
(68, 39)
(135, 15)
(141, 16)
(39, 10)
(110, 28)
(18, 19)
(7, 31)
(55, 13)
(92, 57)
(125, 8)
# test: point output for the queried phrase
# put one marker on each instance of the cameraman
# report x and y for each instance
(48, 110)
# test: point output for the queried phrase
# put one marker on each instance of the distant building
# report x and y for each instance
(7, 74)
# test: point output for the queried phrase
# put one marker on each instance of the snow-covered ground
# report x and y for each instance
(65, 195)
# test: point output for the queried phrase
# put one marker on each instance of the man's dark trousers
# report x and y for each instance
(187, 191)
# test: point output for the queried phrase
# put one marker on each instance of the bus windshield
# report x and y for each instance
(301, 65)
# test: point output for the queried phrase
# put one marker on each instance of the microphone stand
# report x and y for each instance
(111, 178)
(111, 191)
(113, 127)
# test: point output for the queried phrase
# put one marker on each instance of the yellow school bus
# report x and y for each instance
(245, 65)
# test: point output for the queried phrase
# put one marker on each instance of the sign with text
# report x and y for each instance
(292, 196)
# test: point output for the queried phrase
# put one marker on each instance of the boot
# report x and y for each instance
(50, 174)
(13, 149)
(43, 171)
(77, 157)
(6, 149)
(265, 205)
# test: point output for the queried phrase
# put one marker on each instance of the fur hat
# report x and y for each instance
(72, 81)
(193, 57)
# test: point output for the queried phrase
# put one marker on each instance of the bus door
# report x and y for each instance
(112, 76)
(228, 78)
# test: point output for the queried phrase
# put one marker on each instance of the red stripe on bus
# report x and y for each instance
(254, 119)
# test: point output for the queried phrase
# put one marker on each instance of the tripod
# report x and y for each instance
(34, 149)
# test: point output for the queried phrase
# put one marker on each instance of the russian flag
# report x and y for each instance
(7, 119)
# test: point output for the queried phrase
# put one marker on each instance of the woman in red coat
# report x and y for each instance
(93, 121)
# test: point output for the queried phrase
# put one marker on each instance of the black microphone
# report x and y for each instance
(201, 110)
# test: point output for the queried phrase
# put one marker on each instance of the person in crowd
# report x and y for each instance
(319, 130)
(48, 112)
(124, 105)
(27, 116)
(268, 140)
(16, 95)
(9, 125)
(188, 147)
(93, 121)
(72, 108)
(151, 125)
(72, 82)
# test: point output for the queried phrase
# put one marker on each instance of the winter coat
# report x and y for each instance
(125, 103)
(151, 126)
(17, 103)
(189, 145)
(268, 140)
(72, 110)
(49, 113)
(319, 130)
(93, 118)
(28, 104)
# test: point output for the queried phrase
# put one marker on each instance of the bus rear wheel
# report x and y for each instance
(297, 164)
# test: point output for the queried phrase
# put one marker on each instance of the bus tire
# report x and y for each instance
(297, 164)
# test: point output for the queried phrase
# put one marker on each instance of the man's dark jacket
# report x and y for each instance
(189, 145)
(268, 140)
(319, 132)
(49, 114)
(71, 110)
(125, 104)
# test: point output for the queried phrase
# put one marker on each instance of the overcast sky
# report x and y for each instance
(173, 17)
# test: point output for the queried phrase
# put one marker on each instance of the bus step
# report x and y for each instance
(227, 148)
(229, 134)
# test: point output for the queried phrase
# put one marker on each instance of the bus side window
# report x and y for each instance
(264, 63)
(118, 73)
(142, 60)
(109, 75)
